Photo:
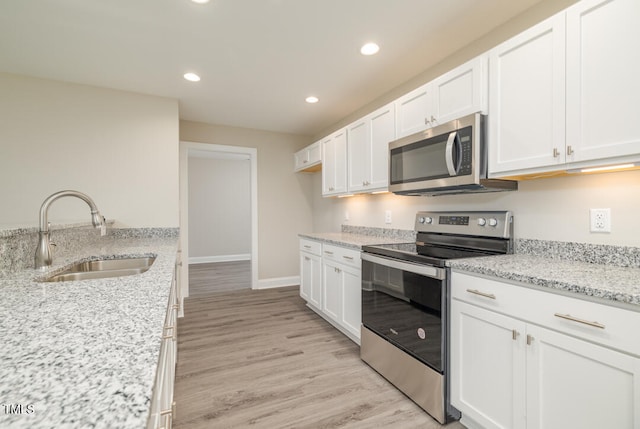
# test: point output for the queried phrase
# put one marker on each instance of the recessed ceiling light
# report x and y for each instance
(200, 1)
(369, 49)
(311, 99)
(192, 77)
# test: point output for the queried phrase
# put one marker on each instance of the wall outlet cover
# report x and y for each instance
(387, 216)
(600, 220)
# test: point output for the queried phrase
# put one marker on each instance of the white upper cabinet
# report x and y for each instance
(526, 99)
(308, 159)
(455, 94)
(564, 94)
(334, 169)
(368, 143)
(603, 89)
(359, 154)
(413, 111)
(460, 92)
(383, 131)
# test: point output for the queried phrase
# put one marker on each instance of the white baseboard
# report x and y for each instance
(278, 282)
(221, 258)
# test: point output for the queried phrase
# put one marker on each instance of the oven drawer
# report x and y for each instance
(341, 255)
(311, 246)
(591, 321)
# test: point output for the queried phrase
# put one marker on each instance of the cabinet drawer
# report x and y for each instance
(311, 246)
(341, 255)
(598, 323)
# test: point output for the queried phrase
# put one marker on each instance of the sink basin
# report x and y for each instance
(103, 268)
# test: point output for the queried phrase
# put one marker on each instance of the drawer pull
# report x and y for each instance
(575, 319)
(529, 339)
(328, 253)
(514, 334)
(477, 292)
(307, 246)
(348, 257)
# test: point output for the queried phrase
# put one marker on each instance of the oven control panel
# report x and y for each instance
(489, 224)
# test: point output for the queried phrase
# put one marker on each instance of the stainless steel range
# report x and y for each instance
(405, 301)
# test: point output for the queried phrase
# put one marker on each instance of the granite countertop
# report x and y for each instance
(84, 354)
(615, 284)
(352, 240)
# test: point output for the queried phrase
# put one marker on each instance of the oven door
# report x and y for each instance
(403, 302)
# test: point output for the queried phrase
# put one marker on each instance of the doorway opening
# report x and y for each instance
(218, 218)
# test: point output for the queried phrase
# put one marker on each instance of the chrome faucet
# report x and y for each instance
(43, 257)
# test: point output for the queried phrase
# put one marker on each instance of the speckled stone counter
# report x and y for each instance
(618, 285)
(84, 354)
(351, 240)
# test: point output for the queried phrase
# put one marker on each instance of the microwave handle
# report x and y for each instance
(451, 141)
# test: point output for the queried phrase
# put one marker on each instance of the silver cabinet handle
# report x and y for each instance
(348, 257)
(477, 292)
(575, 319)
(328, 253)
(514, 334)
(529, 339)
(433, 120)
(569, 150)
(426, 121)
(306, 258)
(307, 246)
(167, 336)
(556, 152)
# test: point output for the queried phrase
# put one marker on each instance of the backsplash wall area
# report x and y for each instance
(544, 209)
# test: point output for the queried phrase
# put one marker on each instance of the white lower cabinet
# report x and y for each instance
(311, 272)
(339, 276)
(162, 408)
(523, 358)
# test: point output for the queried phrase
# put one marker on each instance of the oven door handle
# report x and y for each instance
(423, 270)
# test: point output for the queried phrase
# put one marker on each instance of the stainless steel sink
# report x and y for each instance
(103, 268)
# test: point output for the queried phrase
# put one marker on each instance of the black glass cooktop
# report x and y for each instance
(424, 254)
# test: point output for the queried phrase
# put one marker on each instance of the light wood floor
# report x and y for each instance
(205, 279)
(263, 359)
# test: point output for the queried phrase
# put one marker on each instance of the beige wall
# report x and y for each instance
(219, 207)
(284, 198)
(549, 209)
(118, 147)
(545, 209)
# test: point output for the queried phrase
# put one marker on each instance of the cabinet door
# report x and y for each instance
(352, 300)
(334, 170)
(527, 100)
(359, 156)
(603, 59)
(315, 290)
(383, 131)
(306, 275)
(413, 111)
(487, 367)
(460, 92)
(332, 290)
(573, 383)
(300, 159)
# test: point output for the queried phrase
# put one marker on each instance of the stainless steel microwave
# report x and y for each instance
(448, 159)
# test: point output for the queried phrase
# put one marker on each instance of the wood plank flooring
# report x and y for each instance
(261, 358)
(205, 279)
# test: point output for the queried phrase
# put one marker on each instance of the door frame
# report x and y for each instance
(185, 148)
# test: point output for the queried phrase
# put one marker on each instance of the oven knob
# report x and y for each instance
(482, 221)
(421, 220)
(493, 222)
(428, 219)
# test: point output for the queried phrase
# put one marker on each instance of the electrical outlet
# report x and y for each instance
(346, 215)
(600, 220)
(387, 216)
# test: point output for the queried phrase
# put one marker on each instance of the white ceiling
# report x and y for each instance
(258, 59)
